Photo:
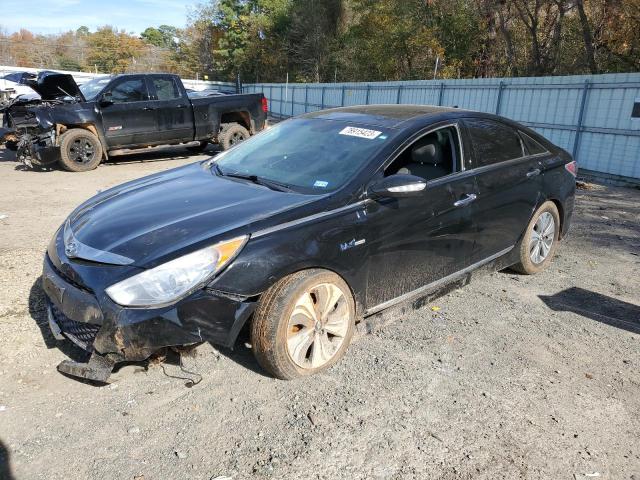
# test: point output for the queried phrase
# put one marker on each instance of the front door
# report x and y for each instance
(416, 241)
(509, 185)
(129, 117)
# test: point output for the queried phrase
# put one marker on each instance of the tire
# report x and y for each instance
(80, 150)
(199, 148)
(11, 145)
(533, 246)
(231, 134)
(275, 328)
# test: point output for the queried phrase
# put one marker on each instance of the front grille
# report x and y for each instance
(68, 278)
(82, 334)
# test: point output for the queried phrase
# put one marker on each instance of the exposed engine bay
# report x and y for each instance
(29, 124)
(27, 130)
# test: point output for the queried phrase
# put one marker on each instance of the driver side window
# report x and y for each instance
(130, 90)
(434, 155)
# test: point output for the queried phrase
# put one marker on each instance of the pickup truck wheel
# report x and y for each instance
(540, 240)
(303, 324)
(80, 150)
(231, 134)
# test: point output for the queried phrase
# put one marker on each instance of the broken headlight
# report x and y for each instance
(170, 281)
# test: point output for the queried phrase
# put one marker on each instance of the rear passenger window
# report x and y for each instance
(493, 142)
(166, 88)
(531, 146)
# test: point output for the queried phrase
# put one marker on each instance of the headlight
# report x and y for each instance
(168, 282)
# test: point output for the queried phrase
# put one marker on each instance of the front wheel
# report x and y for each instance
(80, 150)
(303, 324)
(540, 240)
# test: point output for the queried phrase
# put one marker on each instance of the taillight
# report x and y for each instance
(265, 105)
(572, 168)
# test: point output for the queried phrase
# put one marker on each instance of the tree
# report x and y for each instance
(113, 51)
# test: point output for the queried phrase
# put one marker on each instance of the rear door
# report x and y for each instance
(173, 109)
(509, 185)
(130, 119)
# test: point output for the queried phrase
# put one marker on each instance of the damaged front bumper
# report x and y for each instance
(114, 334)
(26, 130)
(32, 149)
(37, 149)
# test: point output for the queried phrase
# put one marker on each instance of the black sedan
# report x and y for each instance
(303, 231)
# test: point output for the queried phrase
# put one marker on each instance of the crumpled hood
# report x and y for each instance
(52, 86)
(150, 219)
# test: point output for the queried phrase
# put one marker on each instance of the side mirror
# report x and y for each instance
(106, 99)
(398, 185)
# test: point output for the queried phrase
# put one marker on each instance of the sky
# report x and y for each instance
(56, 16)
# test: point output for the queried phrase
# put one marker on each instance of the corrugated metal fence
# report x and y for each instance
(591, 116)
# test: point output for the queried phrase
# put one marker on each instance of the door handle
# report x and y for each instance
(182, 106)
(148, 109)
(468, 198)
(533, 173)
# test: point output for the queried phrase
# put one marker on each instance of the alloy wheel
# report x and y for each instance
(318, 326)
(236, 138)
(82, 151)
(542, 238)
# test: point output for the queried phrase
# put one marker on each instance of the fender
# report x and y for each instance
(72, 115)
(61, 128)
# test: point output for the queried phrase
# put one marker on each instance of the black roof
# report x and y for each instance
(390, 116)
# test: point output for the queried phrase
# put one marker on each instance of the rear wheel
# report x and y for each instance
(80, 150)
(231, 134)
(540, 240)
(303, 324)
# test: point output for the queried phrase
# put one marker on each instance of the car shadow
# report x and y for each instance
(5, 463)
(596, 306)
(242, 352)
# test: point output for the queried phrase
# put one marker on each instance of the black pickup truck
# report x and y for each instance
(81, 126)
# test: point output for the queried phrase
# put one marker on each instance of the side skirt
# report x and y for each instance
(449, 283)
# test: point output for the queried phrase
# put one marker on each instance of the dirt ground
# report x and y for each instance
(513, 377)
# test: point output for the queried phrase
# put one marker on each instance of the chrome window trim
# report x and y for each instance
(423, 133)
(546, 152)
(435, 285)
(515, 130)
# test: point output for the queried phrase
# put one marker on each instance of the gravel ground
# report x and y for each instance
(510, 377)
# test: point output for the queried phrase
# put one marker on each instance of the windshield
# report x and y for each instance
(307, 155)
(93, 87)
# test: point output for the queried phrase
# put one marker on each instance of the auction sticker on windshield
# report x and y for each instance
(360, 132)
